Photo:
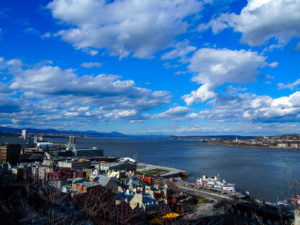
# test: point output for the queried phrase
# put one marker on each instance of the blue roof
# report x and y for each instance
(148, 201)
(124, 196)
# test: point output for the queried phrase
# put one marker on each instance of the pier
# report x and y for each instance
(162, 171)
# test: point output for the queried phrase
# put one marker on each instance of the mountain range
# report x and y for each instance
(53, 131)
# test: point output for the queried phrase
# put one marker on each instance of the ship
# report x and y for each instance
(292, 203)
(215, 183)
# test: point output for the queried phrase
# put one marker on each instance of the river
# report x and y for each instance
(266, 173)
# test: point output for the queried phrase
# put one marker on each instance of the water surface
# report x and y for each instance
(263, 172)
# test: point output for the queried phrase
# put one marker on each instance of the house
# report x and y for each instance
(110, 183)
(124, 196)
(57, 179)
(135, 182)
(145, 201)
(81, 185)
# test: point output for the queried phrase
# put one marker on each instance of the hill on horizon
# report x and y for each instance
(53, 131)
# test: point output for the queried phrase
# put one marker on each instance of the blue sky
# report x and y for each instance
(183, 67)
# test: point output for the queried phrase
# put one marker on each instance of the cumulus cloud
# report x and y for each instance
(91, 64)
(262, 20)
(289, 86)
(203, 93)
(173, 113)
(214, 67)
(46, 35)
(11, 65)
(50, 94)
(123, 27)
(181, 50)
(8, 104)
(116, 114)
(297, 48)
(249, 107)
(52, 80)
(104, 89)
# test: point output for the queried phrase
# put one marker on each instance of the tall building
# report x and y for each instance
(10, 153)
(35, 139)
(72, 142)
(24, 134)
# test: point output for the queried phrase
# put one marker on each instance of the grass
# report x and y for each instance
(199, 198)
(154, 172)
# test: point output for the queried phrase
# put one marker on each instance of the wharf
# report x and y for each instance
(167, 171)
(227, 201)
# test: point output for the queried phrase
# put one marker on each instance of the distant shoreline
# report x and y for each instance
(251, 146)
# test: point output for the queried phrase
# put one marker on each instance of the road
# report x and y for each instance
(203, 193)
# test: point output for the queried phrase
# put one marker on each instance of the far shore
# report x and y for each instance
(251, 146)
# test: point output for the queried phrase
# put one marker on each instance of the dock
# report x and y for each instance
(163, 171)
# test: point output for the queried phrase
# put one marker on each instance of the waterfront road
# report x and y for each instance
(206, 194)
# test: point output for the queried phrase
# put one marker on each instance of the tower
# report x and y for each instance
(72, 142)
(24, 134)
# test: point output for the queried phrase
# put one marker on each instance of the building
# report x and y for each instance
(110, 183)
(57, 179)
(282, 145)
(10, 153)
(24, 134)
(75, 164)
(117, 166)
(87, 152)
(82, 185)
(145, 201)
(44, 145)
(13, 140)
(58, 155)
(72, 142)
(295, 145)
(39, 172)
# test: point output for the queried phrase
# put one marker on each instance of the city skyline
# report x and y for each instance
(181, 67)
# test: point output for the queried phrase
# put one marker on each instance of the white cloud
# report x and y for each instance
(12, 63)
(53, 95)
(262, 20)
(181, 50)
(273, 65)
(46, 35)
(203, 93)
(180, 72)
(91, 52)
(71, 114)
(116, 114)
(123, 27)
(247, 107)
(168, 65)
(289, 86)
(214, 67)
(174, 113)
(91, 64)
(31, 30)
(106, 90)
(136, 121)
(297, 48)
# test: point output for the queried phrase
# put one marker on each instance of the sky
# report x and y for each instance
(172, 67)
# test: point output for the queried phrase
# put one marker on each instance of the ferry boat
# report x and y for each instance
(290, 203)
(215, 183)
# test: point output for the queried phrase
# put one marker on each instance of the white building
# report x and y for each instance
(75, 164)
